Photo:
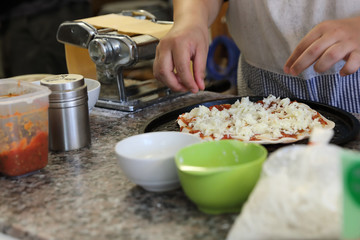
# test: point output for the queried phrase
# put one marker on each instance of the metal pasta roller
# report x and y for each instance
(114, 52)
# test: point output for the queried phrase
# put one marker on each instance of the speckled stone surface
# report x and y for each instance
(83, 194)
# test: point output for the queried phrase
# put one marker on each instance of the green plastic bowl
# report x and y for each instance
(218, 176)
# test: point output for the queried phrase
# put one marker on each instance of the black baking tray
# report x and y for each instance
(347, 127)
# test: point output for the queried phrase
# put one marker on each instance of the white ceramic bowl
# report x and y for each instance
(93, 87)
(148, 159)
(32, 77)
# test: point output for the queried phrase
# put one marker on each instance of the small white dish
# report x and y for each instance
(32, 77)
(93, 87)
(148, 159)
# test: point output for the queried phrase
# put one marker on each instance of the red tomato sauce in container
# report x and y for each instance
(23, 127)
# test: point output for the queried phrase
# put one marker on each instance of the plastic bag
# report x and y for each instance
(298, 195)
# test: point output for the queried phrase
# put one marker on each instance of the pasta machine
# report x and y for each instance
(113, 53)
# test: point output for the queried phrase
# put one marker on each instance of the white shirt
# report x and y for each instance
(267, 31)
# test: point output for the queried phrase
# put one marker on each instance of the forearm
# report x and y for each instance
(202, 12)
(186, 44)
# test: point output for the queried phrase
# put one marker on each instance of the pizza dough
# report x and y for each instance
(269, 121)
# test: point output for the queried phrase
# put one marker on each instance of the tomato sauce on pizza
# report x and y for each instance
(271, 120)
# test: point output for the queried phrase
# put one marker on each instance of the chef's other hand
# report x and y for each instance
(326, 44)
(181, 55)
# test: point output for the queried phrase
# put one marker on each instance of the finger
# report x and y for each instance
(352, 64)
(182, 61)
(332, 55)
(199, 65)
(304, 44)
(311, 54)
(163, 69)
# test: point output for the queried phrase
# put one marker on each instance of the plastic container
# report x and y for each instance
(23, 127)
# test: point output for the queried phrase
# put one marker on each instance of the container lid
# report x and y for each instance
(65, 87)
(13, 91)
(63, 82)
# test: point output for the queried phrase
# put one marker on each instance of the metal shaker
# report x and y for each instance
(69, 126)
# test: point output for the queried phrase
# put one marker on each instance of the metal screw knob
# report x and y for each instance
(104, 51)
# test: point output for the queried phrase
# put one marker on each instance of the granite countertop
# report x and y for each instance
(83, 194)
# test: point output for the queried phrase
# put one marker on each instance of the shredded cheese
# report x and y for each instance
(269, 119)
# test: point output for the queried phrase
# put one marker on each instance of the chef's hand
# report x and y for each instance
(174, 54)
(326, 44)
(186, 45)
